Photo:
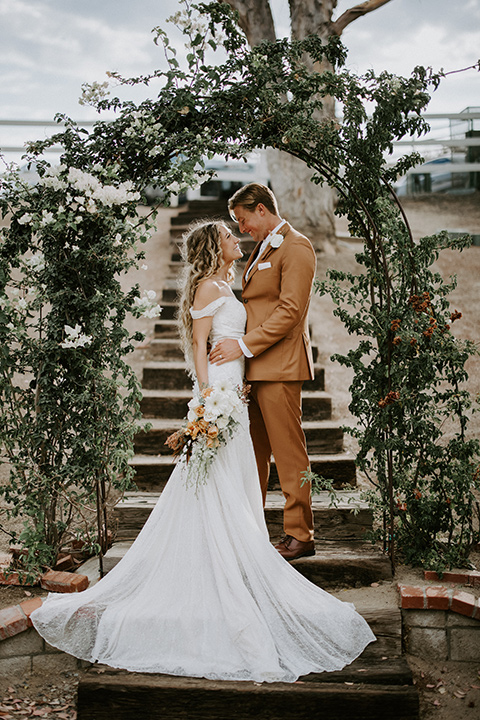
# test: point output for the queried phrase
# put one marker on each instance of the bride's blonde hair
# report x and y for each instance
(203, 258)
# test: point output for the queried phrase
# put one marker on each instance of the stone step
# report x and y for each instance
(169, 310)
(323, 436)
(169, 349)
(168, 328)
(316, 404)
(172, 375)
(186, 217)
(170, 294)
(209, 205)
(347, 522)
(153, 471)
(365, 690)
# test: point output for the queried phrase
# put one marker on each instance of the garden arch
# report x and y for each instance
(68, 433)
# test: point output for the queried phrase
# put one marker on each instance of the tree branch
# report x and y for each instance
(353, 13)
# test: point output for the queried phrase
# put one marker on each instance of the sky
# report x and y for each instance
(48, 48)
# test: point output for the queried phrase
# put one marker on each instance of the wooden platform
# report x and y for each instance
(366, 690)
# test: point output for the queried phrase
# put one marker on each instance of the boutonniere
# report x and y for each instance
(276, 240)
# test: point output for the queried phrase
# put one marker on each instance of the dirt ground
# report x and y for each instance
(448, 690)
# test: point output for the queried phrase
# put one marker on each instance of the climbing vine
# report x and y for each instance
(69, 398)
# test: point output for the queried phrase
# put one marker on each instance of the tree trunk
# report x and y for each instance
(255, 19)
(307, 206)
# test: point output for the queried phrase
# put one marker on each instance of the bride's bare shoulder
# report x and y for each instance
(207, 291)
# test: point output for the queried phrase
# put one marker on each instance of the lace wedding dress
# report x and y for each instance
(202, 592)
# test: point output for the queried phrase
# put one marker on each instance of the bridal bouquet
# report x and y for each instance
(213, 415)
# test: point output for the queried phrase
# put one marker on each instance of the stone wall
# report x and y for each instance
(441, 635)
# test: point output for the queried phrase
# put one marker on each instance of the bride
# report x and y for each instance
(202, 592)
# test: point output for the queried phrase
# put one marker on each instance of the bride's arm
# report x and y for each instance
(201, 330)
(207, 291)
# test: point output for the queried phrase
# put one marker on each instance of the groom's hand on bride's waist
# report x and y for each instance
(225, 351)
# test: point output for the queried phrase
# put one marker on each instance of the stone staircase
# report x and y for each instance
(379, 683)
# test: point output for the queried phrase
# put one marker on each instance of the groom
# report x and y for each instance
(277, 285)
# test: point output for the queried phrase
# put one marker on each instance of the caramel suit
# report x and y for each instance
(277, 298)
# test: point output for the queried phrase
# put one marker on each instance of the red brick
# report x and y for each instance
(9, 578)
(13, 620)
(463, 603)
(28, 606)
(438, 598)
(412, 597)
(13, 578)
(456, 577)
(63, 582)
(65, 563)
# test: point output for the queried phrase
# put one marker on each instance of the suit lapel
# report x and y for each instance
(268, 251)
(251, 260)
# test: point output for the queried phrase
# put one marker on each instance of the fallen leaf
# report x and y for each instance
(63, 716)
(374, 584)
(348, 683)
(384, 657)
(476, 687)
(362, 670)
(429, 685)
(28, 593)
(442, 690)
(459, 694)
(436, 703)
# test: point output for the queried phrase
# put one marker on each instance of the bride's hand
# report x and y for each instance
(225, 351)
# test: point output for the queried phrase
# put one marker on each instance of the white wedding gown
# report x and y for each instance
(202, 592)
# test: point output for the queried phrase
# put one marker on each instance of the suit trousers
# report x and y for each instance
(275, 411)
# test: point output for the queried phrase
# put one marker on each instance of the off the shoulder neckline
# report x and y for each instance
(211, 306)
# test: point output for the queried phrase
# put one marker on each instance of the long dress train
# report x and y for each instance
(202, 592)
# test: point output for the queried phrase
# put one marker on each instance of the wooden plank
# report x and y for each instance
(316, 404)
(132, 696)
(152, 472)
(165, 375)
(322, 436)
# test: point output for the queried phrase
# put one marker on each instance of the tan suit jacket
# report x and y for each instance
(277, 298)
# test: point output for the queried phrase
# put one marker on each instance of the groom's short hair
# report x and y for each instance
(249, 196)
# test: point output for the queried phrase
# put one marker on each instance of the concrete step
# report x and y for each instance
(365, 690)
(153, 471)
(323, 436)
(172, 375)
(316, 404)
(347, 522)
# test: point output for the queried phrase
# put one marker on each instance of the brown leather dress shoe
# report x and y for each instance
(291, 549)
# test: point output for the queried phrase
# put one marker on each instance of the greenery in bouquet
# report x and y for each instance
(213, 416)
